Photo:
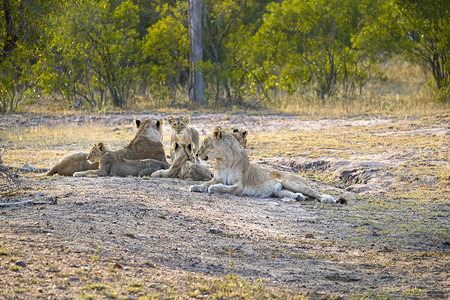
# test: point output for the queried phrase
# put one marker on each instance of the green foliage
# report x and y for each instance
(94, 49)
(15, 79)
(23, 33)
(333, 45)
(166, 49)
(427, 26)
(104, 52)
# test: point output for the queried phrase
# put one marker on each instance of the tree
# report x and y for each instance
(15, 79)
(166, 52)
(24, 23)
(329, 44)
(427, 26)
(95, 49)
(24, 27)
(196, 93)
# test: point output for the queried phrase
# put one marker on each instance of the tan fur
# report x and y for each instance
(184, 166)
(72, 163)
(145, 144)
(234, 174)
(241, 136)
(181, 133)
(112, 164)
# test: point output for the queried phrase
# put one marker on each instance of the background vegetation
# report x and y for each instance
(288, 55)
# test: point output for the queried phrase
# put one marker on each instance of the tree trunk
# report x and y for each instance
(196, 51)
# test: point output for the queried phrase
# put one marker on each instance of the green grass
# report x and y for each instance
(15, 268)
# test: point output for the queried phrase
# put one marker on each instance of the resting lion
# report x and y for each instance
(184, 166)
(234, 174)
(112, 164)
(241, 136)
(146, 144)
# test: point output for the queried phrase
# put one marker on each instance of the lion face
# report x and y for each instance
(96, 153)
(178, 124)
(212, 146)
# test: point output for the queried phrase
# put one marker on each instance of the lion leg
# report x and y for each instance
(162, 174)
(289, 194)
(300, 186)
(203, 188)
(220, 188)
(89, 172)
(172, 155)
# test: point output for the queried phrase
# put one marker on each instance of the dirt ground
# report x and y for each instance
(118, 231)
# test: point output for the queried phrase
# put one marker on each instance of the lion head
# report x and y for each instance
(96, 153)
(218, 144)
(149, 127)
(241, 136)
(178, 124)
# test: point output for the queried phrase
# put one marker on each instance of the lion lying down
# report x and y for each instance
(234, 174)
(145, 144)
(184, 166)
(111, 164)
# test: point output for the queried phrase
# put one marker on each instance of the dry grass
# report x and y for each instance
(46, 145)
(402, 92)
(405, 211)
(415, 204)
(412, 209)
(86, 278)
(403, 89)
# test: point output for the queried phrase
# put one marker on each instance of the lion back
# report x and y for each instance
(146, 143)
(72, 163)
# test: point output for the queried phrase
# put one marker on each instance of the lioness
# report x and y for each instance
(146, 144)
(234, 174)
(184, 166)
(112, 164)
(181, 133)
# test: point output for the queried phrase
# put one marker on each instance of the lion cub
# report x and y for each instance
(146, 144)
(181, 133)
(240, 136)
(184, 166)
(112, 164)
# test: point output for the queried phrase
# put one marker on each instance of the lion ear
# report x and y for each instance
(244, 133)
(100, 146)
(176, 146)
(189, 147)
(138, 123)
(187, 119)
(217, 133)
(170, 120)
(159, 123)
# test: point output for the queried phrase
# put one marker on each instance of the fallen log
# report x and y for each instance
(52, 201)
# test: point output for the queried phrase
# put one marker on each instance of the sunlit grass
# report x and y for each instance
(403, 91)
(43, 146)
(343, 142)
(59, 137)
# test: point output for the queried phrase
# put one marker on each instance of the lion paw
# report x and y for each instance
(198, 188)
(327, 199)
(299, 197)
(218, 188)
(78, 174)
(156, 174)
